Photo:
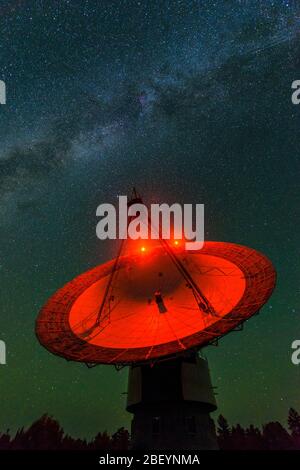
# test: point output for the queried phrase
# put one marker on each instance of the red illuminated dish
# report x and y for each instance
(144, 307)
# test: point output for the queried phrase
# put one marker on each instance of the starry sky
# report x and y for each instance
(191, 102)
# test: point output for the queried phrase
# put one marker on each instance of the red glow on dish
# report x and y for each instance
(235, 279)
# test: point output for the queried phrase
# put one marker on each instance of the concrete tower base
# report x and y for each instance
(171, 402)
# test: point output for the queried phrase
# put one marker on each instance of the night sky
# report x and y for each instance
(191, 102)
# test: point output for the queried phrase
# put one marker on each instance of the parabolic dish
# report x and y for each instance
(150, 310)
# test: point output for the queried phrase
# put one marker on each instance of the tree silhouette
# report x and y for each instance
(273, 436)
(102, 441)
(223, 432)
(294, 422)
(120, 440)
(238, 437)
(276, 437)
(254, 438)
(5, 440)
(294, 427)
(46, 433)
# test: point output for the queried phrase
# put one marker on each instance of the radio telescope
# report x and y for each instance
(153, 308)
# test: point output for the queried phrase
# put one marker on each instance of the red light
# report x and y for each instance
(143, 249)
(233, 275)
(176, 242)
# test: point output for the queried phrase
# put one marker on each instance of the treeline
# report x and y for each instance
(47, 434)
(272, 436)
